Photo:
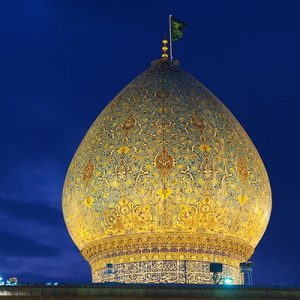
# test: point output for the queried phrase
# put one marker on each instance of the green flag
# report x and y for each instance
(177, 29)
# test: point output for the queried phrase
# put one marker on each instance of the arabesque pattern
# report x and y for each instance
(166, 157)
(171, 271)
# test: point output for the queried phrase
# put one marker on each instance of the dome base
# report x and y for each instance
(165, 271)
(166, 247)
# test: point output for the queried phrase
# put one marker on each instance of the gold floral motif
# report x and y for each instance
(123, 150)
(164, 162)
(243, 199)
(142, 215)
(124, 206)
(88, 201)
(122, 169)
(125, 217)
(206, 205)
(205, 148)
(110, 217)
(129, 123)
(242, 169)
(165, 192)
(198, 122)
(163, 94)
(207, 216)
(188, 215)
(207, 166)
(88, 172)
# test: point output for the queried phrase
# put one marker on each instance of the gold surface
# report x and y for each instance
(167, 246)
(166, 158)
(171, 271)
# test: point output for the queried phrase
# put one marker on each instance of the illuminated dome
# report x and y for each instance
(165, 181)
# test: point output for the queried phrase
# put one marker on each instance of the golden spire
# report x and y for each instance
(164, 48)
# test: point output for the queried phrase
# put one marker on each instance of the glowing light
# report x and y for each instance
(228, 281)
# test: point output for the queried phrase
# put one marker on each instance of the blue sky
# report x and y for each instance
(61, 62)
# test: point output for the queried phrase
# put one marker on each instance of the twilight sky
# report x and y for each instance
(62, 61)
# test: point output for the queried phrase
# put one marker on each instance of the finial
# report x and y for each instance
(165, 48)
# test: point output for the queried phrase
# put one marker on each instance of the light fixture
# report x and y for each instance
(228, 281)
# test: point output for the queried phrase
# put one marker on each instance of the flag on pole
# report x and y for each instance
(177, 29)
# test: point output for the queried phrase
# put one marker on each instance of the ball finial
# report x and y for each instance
(164, 48)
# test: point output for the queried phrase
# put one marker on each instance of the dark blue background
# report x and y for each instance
(62, 61)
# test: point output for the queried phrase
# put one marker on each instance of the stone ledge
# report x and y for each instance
(110, 291)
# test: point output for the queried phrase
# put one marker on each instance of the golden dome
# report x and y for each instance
(166, 173)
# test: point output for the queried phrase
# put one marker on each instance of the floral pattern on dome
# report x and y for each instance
(166, 156)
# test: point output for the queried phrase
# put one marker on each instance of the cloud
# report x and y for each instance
(68, 266)
(31, 179)
(14, 244)
(33, 211)
(30, 229)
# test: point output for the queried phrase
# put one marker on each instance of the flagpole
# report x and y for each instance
(170, 37)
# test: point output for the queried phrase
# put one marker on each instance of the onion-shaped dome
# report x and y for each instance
(165, 180)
